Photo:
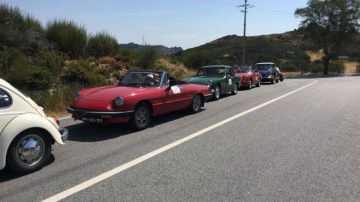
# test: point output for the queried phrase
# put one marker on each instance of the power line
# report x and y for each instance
(244, 8)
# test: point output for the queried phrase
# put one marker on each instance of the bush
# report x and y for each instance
(102, 44)
(13, 66)
(337, 66)
(83, 73)
(70, 37)
(54, 60)
(38, 78)
(197, 60)
(148, 58)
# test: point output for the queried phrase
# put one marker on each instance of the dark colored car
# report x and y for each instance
(268, 72)
(248, 76)
(220, 78)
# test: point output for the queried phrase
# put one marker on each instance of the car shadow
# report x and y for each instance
(85, 132)
(7, 174)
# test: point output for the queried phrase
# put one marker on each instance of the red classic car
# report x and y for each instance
(138, 97)
(248, 76)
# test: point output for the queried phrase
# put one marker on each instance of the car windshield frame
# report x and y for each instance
(147, 79)
(240, 69)
(263, 67)
(210, 71)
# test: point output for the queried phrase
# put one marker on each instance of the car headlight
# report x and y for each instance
(118, 102)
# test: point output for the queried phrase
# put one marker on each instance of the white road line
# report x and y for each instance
(156, 152)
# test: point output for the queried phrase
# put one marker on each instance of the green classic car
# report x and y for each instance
(220, 78)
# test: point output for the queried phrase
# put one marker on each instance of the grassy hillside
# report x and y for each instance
(289, 50)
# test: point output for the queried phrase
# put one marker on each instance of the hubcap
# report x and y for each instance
(217, 92)
(30, 150)
(142, 116)
(196, 103)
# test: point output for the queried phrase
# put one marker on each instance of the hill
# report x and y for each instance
(162, 50)
(289, 50)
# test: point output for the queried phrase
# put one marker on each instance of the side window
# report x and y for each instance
(5, 99)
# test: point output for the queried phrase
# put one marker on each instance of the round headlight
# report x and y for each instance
(118, 101)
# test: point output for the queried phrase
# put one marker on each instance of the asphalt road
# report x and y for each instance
(303, 147)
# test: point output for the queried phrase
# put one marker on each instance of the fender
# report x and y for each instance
(21, 123)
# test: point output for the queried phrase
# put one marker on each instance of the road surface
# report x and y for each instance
(302, 146)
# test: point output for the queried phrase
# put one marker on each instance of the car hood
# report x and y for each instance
(107, 93)
(203, 79)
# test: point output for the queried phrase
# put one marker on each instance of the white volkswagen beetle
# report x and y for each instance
(26, 134)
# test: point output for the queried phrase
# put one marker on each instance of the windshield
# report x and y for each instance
(263, 67)
(242, 69)
(211, 71)
(146, 79)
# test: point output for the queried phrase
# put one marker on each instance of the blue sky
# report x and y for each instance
(184, 23)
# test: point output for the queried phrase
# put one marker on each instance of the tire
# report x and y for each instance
(277, 80)
(217, 93)
(258, 84)
(29, 152)
(250, 84)
(234, 91)
(282, 79)
(196, 104)
(141, 118)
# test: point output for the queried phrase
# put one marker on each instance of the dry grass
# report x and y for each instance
(314, 56)
(350, 67)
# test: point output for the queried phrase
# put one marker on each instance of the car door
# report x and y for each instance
(229, 79)
(174, 95)
(6, 114)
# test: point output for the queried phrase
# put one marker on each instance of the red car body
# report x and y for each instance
(98, 104)
(248, 76)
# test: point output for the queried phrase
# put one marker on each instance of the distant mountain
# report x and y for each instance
(162, 50)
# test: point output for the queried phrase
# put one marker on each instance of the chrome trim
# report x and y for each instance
(69, 109)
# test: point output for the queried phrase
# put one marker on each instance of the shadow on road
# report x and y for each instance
(7, 174)
(85, 132)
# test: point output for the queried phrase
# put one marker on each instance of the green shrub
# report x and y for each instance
(70, 37)
(54, 60)
(358, 68)
(197, 60)
(13, 66)
(337, 66)
(38, 78)
(102, 44)
(84, 74)
(148, 58)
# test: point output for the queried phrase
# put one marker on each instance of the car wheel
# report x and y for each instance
(258, 84)
(282, 79)
(234, 91)
(142, 117)
(277, 80)
(250, 84)
(29, 152)
(196, 103)
(217, 93)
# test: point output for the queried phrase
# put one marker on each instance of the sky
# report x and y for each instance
(182, 23)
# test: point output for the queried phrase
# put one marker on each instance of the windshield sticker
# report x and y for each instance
(175, 89)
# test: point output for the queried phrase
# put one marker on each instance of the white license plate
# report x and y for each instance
(92, 120)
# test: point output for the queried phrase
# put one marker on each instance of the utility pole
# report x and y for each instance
(245, 7)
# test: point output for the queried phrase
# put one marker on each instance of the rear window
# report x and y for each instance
(5, 99)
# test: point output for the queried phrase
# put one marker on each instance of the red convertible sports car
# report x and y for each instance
(138, 97)
(248, 76)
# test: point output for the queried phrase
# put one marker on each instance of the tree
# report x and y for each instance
(330, 24)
